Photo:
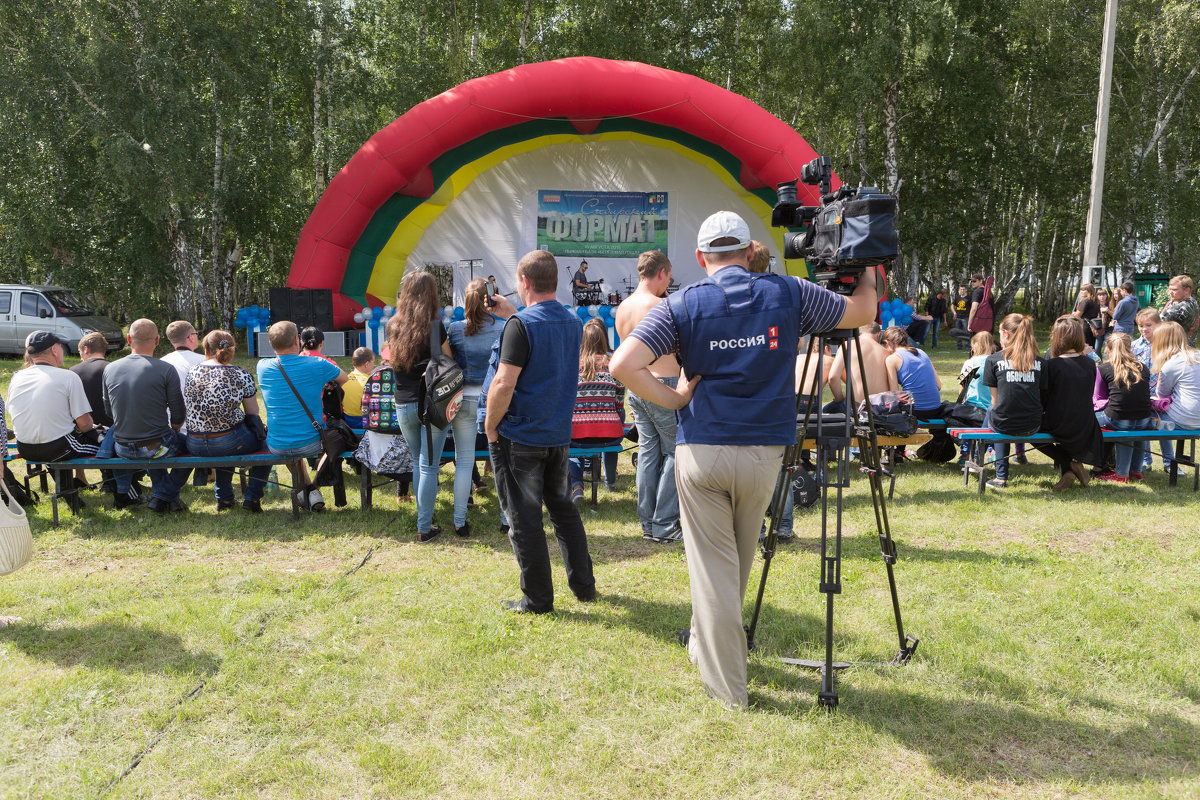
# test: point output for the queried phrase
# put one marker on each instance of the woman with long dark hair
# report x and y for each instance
(408, 340)
(471, 341)
(1067, 405)
(1014, 377)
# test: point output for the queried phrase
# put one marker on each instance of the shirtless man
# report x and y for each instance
(873, 356)
(658, 502)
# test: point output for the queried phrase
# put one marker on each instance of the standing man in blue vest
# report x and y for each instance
(735, 334)
(530, 386)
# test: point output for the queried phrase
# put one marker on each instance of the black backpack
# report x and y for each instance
(441, 388)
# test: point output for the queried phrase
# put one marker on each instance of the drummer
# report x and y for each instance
(580, 280)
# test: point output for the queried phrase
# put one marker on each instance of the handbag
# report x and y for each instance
(16, 541)
(331, 440)
(254, 424)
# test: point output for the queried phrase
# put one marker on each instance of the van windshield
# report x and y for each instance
(66, 305)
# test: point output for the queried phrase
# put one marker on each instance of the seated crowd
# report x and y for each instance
(143, 408)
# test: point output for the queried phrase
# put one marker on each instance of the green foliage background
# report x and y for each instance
(163, 154)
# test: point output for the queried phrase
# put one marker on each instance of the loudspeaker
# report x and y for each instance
(303, 306)
(281, 304)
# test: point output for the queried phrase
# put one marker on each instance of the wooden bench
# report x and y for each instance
(978, 440)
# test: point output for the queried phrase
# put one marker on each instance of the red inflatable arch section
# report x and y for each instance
(584, 92)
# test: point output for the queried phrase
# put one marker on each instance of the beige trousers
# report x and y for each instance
(723, 494)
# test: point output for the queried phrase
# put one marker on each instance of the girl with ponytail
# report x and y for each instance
(1122, 402)
(1015, 377)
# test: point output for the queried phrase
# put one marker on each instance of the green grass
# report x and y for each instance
(1058, 655)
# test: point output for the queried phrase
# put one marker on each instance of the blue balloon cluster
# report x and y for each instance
(252, 317)
(895, 312)
(606, 314)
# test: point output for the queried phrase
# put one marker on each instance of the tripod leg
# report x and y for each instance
(868, 445)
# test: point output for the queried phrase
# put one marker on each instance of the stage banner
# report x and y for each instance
(601, 224)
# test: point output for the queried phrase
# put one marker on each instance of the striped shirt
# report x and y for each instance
(820, 311)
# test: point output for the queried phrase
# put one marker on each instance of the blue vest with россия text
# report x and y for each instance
(739, 332)
(544, 397)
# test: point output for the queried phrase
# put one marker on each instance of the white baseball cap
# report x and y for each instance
(723, 225)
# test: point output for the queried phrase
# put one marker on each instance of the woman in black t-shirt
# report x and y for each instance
(408, 338)
(1123, 395)
(1087, 309)
(1068, 415)
(1015, 376)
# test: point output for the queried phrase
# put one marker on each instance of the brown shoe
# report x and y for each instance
(1065, 482)
(1081, 472)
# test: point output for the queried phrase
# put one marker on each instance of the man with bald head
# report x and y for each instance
(142, 395)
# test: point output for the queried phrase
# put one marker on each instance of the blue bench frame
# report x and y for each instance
(978, 440)
(242, 463)
(367, 484)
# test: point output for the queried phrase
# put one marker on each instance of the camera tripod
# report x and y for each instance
(832, 438)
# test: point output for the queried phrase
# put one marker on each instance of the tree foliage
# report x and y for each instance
(163, 154)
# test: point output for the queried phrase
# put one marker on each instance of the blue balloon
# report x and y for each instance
(906, 320)
(610, 322)
(239, 322)
(373, 323)
(604, 312)
(459, 313)
(886, 317)
(377, 312)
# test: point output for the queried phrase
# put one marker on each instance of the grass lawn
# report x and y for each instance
(254, 656)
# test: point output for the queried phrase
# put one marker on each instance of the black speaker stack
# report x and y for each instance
(303, 306)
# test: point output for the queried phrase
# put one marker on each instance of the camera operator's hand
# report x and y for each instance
(686, 387)
(863, 304)
(501, 307)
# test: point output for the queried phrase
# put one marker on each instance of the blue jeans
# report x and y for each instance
(234, 441)
(464, 428)
(426, 463)
(165, 485)
(933, 329)
(576, 466)
(1001, 448)
(1127, 455)
(658, 499)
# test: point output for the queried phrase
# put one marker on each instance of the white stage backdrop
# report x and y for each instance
(493, 223)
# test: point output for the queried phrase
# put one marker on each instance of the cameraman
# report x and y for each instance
(736, 335)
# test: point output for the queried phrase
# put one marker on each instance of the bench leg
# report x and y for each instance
(365, 489)
(339, 488)
(596, 464)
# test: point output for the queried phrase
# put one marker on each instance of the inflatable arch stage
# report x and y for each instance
(454, 178)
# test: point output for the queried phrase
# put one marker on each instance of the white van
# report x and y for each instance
(24, 309)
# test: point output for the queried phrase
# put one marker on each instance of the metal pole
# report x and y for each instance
(1091, 247)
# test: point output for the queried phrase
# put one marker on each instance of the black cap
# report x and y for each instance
(40, 341)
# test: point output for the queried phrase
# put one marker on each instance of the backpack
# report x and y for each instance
(379, 403)
(892, 413)
(441, 389)
(940, 449)
(984, 315)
